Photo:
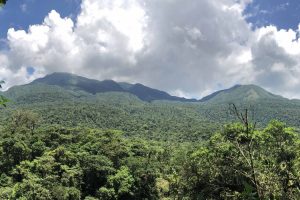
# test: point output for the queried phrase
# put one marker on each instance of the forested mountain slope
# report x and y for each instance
(79, 83)
(62, 141)
(110, 110)
(263, 105)
(72, 100)
(241, 93)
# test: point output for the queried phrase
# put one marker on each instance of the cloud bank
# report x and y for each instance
(188, 48)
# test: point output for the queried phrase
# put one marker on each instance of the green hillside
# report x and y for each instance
(241, 93)
(71, 100)
(161, 120)
(85, 141)
(263, 105)
(81, 84)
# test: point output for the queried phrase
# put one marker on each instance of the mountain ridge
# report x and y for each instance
(244, 93)
(74, 83)
(80, 83)
(75, 103)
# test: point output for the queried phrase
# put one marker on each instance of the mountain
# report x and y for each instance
(241, 93)
(76, 83)
(71, 100)
(68, 99)
(263, 105)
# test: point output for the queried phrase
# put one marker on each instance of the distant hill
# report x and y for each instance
(241, 93)
(79, 83)
(138, 110)
(263, 105)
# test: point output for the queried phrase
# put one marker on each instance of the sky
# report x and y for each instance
(188, 48)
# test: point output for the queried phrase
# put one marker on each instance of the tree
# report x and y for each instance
(119, 185)
(242, 162)
(2, 2)
(3, 100)
(23, 120)
(245, 143)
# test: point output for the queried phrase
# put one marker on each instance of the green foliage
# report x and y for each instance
(22, 121)
(122, 183)
(81, 163)
(53, 162)
(3, 100)
(237, 164)
(157, 120)
(76, 83)
(2, 2)
(57, 143)
(64, 105)
(58, 163)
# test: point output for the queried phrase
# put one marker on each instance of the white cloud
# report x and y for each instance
(276, 60)
(124, 17)
(187, 48)
(102, 42)
(287, 39)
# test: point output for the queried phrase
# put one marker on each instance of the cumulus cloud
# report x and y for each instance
(189, 48)
(276, 60)
(191, 44)
(101, 43)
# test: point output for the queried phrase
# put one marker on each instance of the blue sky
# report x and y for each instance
(188, 48)
(19, 14)
(281, 13)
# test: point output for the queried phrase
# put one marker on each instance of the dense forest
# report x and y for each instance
(237, 162)
(149, 100)
(123, 148)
